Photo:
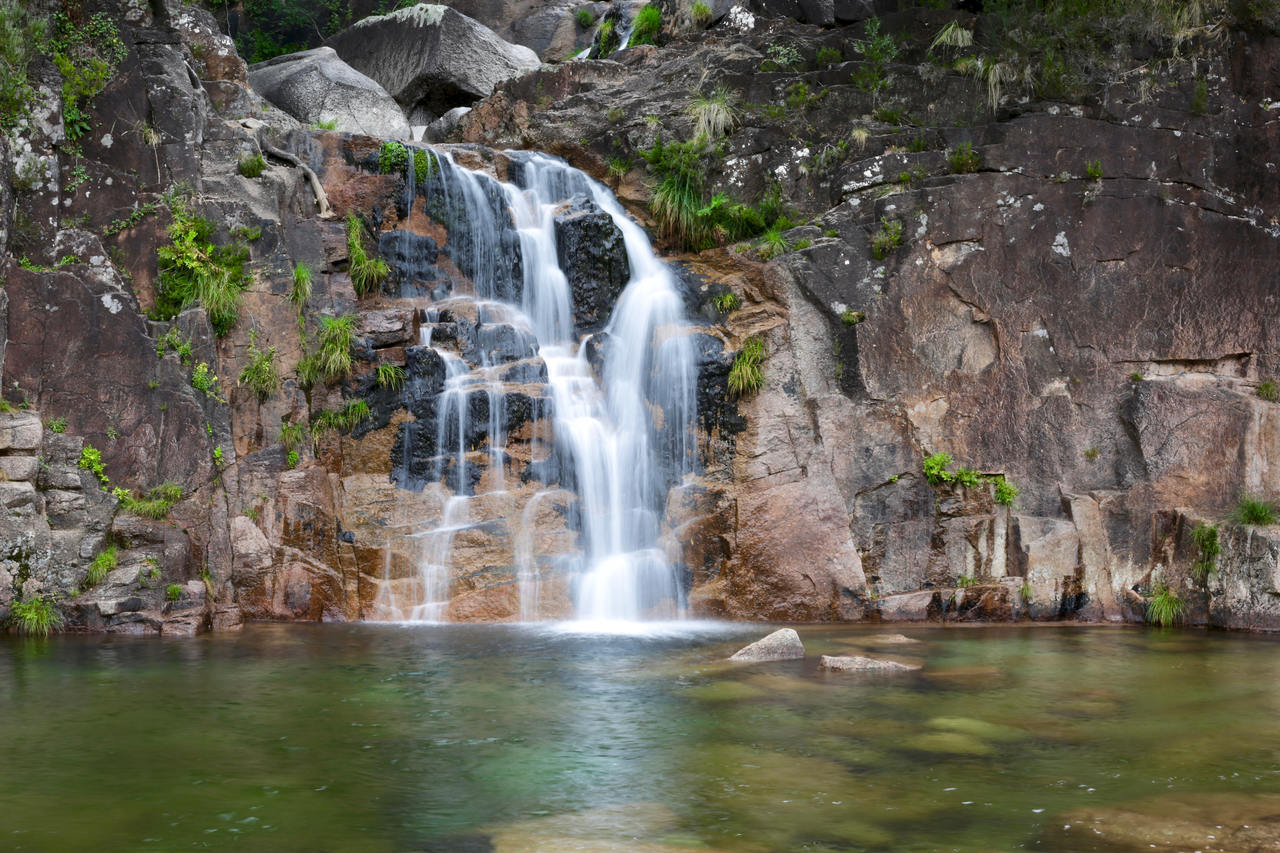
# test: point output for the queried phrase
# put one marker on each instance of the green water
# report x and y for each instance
(508, 738)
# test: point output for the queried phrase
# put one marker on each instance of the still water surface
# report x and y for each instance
(516, 738)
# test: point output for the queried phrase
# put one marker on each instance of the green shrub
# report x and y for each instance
(1005, 493)
(390, 376)
(618, 166)
(968, 478)
(58, 425)
(393, 158)
(1205, 538)
(585, 19)
(366, 273)
(300, 292)
(935, 469)
(87, 55)
(713, 115)
(424, 165)
(963, 158)
(772, 244)
(1254, 511)
(293, 459)
(829, 56)
(877, 50)
(746, 375)
(252, 167)
(1024, 592)
(1268, 390)
(1165, 607)
(1136, 376)
(1094, 170)
(851, 318)
(888, 238)
(700, 13)
(336, 337)
(205, 380)
(102, 565)
(91, 460)
(193, 269)
(340, 420)
(156, 504)
(727, 302)
(607, 39)
(173, 592)
(36, 617)
(1092, 454)
(261, 374)
(644, 29)
(677, 198)
(292, 435)
(22, 39)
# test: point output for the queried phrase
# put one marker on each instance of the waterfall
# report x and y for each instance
(620, 417)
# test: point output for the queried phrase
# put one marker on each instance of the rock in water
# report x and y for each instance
(860, 664)
(783, 644)
(431, 58)
(593, 255)
(317, 86)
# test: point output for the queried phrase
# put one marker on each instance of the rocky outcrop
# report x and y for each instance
(431, 58)
(316, 87)
(782, 644)
(593, 256)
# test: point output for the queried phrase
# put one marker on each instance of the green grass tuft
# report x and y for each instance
(366, 272)
(888, 238)
(300, 292)
(1205, 538)
(1254, 510)
(252, 167)
(963, 158)
(173, 592)
(336, 337)
(193, 269)
(102, 565)
(156, 504)
(36, 617)
(261, 374)
(390, 376)
(1268, 390)
(727, 302)
(645, 28)
(585, 19)
(393, 158)
(746, 375)
(1165, 607)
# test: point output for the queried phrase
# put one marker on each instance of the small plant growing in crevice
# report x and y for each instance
(964, 159)
(339, 420)
(851, 318)
(193, 269)
(1092, 454)
(746, 375)
(102, 565)
(1254, 510)
(829, 56)
(1024, 592)
(336, 337)
(888, 238)
(727, 302)
(713, 115)
(585, 19)
(1205, 538)
(1268, 390)
(366, 272)
(936, 469)
(772, 244)
(1165, 607)
(968, 478)
(35, 617)
(91, 461)
(300, 292)
(782, 57)
(645, 27)
(260, 374)
(292, 435)
(966, 581)
(390, 376)
(58, 425)
(205, 380)
(155, 504)
(1094, 170)
(173, 592)
(393, 158)
(618, 167)
(1005, 492)
(700, 13)
(252, 166)
(877, 51)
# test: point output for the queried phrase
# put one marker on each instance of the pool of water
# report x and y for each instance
(520, 738)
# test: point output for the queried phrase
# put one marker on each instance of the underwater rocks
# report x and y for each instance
(856, 663)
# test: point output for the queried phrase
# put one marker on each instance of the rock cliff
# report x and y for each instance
(1071, 290)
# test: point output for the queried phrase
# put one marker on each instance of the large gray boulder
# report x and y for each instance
(432, 58)
(783, 644)
(317, 86)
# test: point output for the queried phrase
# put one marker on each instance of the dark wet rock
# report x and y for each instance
(316, 86)
(591, 252)
(412, 259)
(783, 644)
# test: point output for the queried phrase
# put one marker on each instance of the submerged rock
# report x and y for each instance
(856, 663)
(317, 86)
(783, 644)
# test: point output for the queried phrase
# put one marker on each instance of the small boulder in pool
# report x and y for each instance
(854, 663)
(783, 644)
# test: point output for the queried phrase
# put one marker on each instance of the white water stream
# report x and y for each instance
(624, 436)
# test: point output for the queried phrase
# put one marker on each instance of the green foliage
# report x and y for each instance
(1254, 510)
(340, 420)
(1006, 492)
(888, 238)
(327, 124)
(714, 115)
(1200, 96)
(217, 456)
(86, 55)
(366, 272)
(1205, 538)
(390, 376)
(607, 38)
(968, 478)
(935, 469)
(173, 340)
(292, 435)
(585, 19)
(727, 302)
(677, 198)
(173, 592)
(829, 56)
(1136, 376)
(58, 425)
(1024, 592)
(193, 269)
(851, 318)
(644, 29)
(1092, 454)
(333, 360)
(35, 617)
(746, 375)
(22, 39)
(252, 167)
(1268, 390)
(782, 57)
(803, 244)
(963, 158)
(300, 292)
(293, 459)
(205, 380)
(700, 12)
(393, 158)
(772, 243)
(877, 50)
(966, 581)
(618, 167)
(1165, 607)
(261, 374)
(1094, 170)
(91, 460)
(156, 504)
(424, 165)
(102, 565)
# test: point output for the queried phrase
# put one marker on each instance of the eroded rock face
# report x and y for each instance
(315, 86)
(431, 59)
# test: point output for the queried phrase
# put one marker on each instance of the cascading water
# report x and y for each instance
(620, 430)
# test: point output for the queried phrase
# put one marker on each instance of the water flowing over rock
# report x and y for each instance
(782, 644)
(431, 58)
(315, 86)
